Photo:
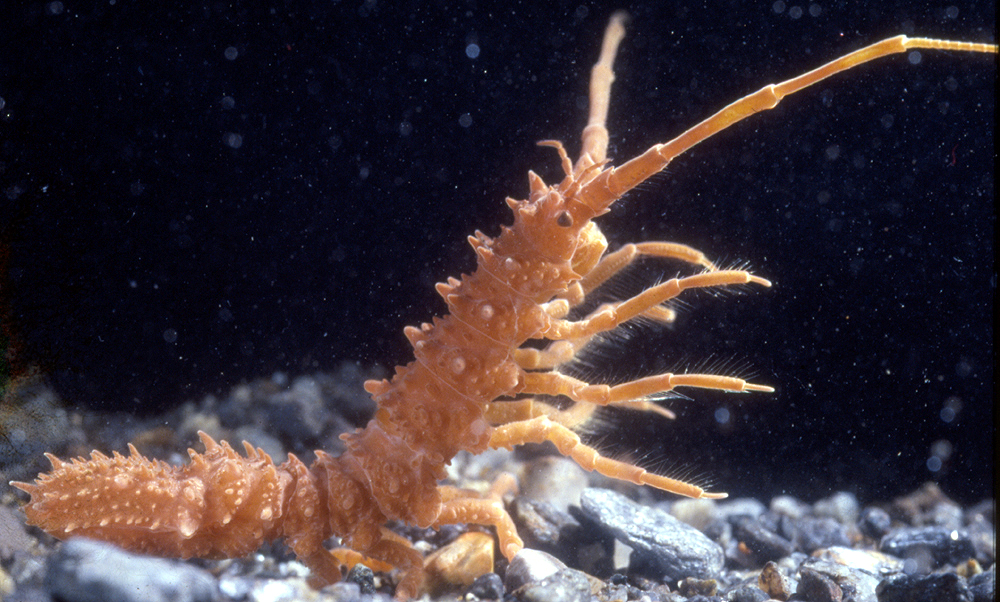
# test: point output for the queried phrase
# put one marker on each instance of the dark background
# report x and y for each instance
(175, 220)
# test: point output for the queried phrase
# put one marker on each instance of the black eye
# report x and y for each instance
(564, 220)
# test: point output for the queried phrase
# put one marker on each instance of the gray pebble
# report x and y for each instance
(743, 506)
(567, 585)
(789, 506)
(875, 523)
(88, 571)
(747, 593)
(811, 534)
(943, 545)
(983, 586)
(662, 546)
(841, 506)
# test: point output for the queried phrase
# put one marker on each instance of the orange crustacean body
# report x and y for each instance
(471, 386)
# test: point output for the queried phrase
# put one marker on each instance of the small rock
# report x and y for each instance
(342, 592)
(742, 506)
(363, 577)
(88, 571)
(983, 534)
(530, 566)
(697, 513)
(690, 587)
(747, 593)
(928, 506)
(869, 561)
(939, 587)
(762, 544)
(983, 586)
(944, 545)
(817, 587)
(812, 534)
(774, 583)
(853, 584)
(487, 587)
(566, 585)
(661, 544)
(874, 523)
(541, 524)
(461, 562)
(841, 506)
(789, 506)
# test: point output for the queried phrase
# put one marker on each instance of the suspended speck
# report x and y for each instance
(465, 120)
(815, 10)
(232, 140)
(942, 448)
(778, 7)
(951, 12)
(231, 53)
(170, 335)
(472, 51)
(934, 464)
(795, 12)
(228, 102)
(55, 8)
(405, 128)
(963, 368)
(914, 57)
(952, 406)
(722, 416)
(833, 151)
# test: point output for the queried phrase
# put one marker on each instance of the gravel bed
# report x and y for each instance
(588, 538)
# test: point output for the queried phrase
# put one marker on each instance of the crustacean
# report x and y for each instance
(474, 384)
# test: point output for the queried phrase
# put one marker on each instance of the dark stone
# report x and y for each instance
(764, 544)
(817, 587)
(542, 525)
(812, 534)
(939, 587)
(363, 577)
(983, 586)
(874, 523)
(662, 546)
(487, 587)
(945, 546)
